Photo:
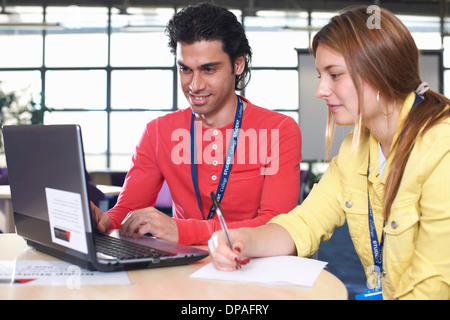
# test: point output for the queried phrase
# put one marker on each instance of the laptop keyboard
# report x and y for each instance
(126, 250)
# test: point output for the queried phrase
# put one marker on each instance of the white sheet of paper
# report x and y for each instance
(273, 270)
(56, 273)
(66, 219)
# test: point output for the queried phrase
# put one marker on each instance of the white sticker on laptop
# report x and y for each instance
(66, 219)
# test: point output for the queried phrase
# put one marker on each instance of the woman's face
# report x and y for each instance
(336, 87)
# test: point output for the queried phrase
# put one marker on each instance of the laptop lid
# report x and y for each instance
(50, 199)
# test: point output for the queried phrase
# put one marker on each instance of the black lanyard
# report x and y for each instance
(228, 159)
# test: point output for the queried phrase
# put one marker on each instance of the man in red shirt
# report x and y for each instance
(247, 155)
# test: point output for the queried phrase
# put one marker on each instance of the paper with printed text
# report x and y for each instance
(66, 219)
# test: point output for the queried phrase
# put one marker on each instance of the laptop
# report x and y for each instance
(50, 199)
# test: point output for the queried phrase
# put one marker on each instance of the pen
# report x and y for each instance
(222, 223)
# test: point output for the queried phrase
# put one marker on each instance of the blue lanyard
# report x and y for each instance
(228, 159)
(377, 247)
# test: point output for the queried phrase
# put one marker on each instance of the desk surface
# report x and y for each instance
(172, 283)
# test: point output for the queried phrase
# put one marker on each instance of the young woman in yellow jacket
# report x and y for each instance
(391, 177)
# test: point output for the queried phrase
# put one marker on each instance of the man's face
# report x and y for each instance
(206, 76)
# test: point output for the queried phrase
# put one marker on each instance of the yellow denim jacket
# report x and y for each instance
(416, 253)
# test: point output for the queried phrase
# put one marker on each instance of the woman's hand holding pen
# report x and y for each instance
(265, 241)
(222, 256)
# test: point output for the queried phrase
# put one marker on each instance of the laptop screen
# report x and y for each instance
(48, 185)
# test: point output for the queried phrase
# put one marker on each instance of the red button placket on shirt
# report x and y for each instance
(214, 167)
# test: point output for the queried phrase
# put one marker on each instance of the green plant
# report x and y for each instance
(18, 107)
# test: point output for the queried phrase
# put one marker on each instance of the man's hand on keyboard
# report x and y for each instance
(102, 221)
(150, 220)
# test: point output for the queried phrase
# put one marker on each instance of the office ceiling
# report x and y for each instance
(416, 7)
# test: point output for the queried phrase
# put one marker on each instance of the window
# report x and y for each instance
(274, 89)
(111, 71)
(78, 89)
(274, 37)
(26, 82)
(21, 46)
(446, 57)
(126, 130)
(142, 89)
(23, 51)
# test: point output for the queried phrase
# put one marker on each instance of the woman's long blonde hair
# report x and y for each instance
(387, 57)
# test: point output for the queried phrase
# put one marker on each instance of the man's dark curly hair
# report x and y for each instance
(208, 21)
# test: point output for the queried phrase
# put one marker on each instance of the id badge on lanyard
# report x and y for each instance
(377, 252)
(377, 248)
(228, 159)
